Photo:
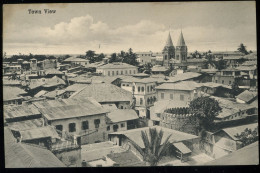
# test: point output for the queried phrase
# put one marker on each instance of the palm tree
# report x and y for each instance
(153, 150)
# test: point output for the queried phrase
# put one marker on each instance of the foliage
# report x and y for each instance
(14, 58)
(148, 68)
(248, 136)
(114, 58)
(235, 89)
(153, 151)
(242, 49)
(100, 57)
(221, 64)
(206, 109)
(129, 57)
(90, 55)
(196, 54)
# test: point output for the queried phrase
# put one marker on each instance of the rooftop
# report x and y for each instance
(120, 115)
(139, 80)
(10, 93)
(117, 65)
(75, 87)
(75, 59)
(183, 86)
(248, 155)
(247, 96)
(20, 155)
(104, 93)
(158, 68)
(232, 57)
(176, 136)
(233, 131)
(20, 111)
(184, 76)
(46, 82)
(160, 106)
(27, 124)
(40, 132)
(215, 85)
(69, 108)
(54, 93)
(246, 68)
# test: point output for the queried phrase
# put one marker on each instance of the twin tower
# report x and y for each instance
(172, 55)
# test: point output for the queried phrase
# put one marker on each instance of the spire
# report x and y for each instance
(181, 41)
(169, 41)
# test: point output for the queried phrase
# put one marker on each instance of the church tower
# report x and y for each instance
(181, 50)
(168, 51)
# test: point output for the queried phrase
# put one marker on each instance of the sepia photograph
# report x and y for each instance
(130, 84)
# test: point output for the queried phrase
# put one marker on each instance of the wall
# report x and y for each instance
(100, 135)
(71, 158)
(226, 80)
(118, 71)
(120, 128)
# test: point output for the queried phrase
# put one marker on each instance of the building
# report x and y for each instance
(144, 57)
(247, 97)
(75, 62)
(106, 94)
(143, 90)
(121, 119)
(181, 50)
(216, 89)
(225, 140)
(182, 91)
(21, 155)
(13, 95)
(115, 69)
(84, 119)
(168, 51)
(191, 142)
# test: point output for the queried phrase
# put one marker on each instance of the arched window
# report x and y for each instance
(142, 89)
(139, 89)
(151, 88)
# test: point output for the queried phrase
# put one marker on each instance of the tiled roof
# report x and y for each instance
(40, 132)
(127, 158)
(54, 93)
(138, 80)
(120, 115)
(20, 111)
(27, 124)
(117, 66)
(104, 93)
(159, 68)
(20, 155)
(247, 96)
(246, 68)
(40, 93)
(53, 71)
(249, 63)
(161, 105)
(69, 108)
(10, 93)
(109, 107)
(47, 82)
(11, 82)
(183, 85)
(75, 59)
(176, 136)
(215, 85)
(248, 155)
(103, 79)
(233, 131)
(75, 87)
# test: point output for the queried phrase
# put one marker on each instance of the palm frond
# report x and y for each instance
(145, 139)
(158, 142)
(164, 147)
(138, 148)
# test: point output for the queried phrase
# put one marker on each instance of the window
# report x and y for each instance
(122, 107)
(122, 72)
(115, 127)
(134, 71)
(222, 81)
(116, 72)
(181, 97)
(216, 81)
(126, 72)
(162, 95)
(127, 84)
(130, 71)
(229, 82)
(113, 73)
(123, 84)
(151, 88)
(122, 125)
(171, 96)
(147, 88)
(165, 57)
(97, 122)
(59, 127)
(148, 101)
(142, 89)
(84, 125)
(108, 73)
(139, 89)
(108, 128)
(72, 127)
(141, 101)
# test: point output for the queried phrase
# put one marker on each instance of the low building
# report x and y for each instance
(13, 95)
(74, 61)
(121, 119)
(115, 69)
(122, 139)
(106, 94)
(157, 69)
(181, 91)
(216, 89)
(188, 76)
(84, 118)
(247, 97)
(21, 155)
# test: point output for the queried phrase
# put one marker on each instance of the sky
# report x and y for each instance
(112, 27)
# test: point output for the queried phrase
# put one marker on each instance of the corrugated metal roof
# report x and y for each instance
(183, 76)
(176, 136)
(117, 65)
(40, 132)
(10, 93)
(20, 155)
(183, 148)
(27, 124)
(69, 108)
(104, 93)
(183, 85)
(120, 115)
(20, 111)
(247, 95)
(138, 80)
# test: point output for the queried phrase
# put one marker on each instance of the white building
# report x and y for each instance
(114, 69)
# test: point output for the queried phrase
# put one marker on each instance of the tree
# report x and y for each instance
(248, 136)
(221, 64)
(205, 109)
(90, 55)
(242, 49)
(148, 68)
(153, 150)
(114, 58)
(235, 90)
(100, 57)
(129, 57)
